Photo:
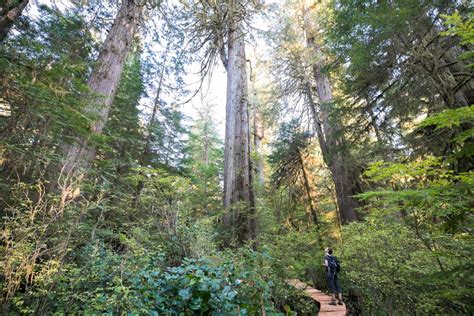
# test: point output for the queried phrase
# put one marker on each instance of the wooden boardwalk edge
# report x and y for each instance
(320, 297)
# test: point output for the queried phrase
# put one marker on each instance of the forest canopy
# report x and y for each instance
(189, 157)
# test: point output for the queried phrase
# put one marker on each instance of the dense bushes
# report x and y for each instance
(101, 281)
(105, 282)
(414, 251)
(301, 254)
(387, 267)
(66, 258)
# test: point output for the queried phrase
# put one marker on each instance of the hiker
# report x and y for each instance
(332, 268)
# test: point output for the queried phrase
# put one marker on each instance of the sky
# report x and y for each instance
(213, 92)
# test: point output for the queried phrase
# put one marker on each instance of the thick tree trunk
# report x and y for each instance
(10, 10)
(103, 83)
(345, 181)
(239, 199)
(329, 131)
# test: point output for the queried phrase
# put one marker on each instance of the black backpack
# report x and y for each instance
(333, 265)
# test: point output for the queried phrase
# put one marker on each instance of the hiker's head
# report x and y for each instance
(328, 250)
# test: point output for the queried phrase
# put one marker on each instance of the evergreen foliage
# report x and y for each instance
(204, 165)
(370, 102)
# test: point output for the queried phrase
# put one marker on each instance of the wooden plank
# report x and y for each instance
(325, 309)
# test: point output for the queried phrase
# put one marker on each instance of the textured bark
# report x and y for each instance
(10, 10)
(239, 199)
(329, 134)
(345, 181)
(313, 215)
(103, 83)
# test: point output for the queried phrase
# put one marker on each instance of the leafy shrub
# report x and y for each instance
(301, 254)
(414, 251)
(263, 286)
(389, 268)
(101, 281)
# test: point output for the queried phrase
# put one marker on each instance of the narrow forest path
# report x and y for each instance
(323, 299)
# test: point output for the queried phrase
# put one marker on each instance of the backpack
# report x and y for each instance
(333, 264)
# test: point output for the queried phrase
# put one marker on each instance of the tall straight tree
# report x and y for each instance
(300, 63)
(219, 28)
(329, 129)
(103, 83)
(239, 199)
(10, 10)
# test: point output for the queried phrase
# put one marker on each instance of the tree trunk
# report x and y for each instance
(257, 140)
(239, 199)
(156, 104)
(313, 214)
(10, 10)
(329, 135)
(345, 180)
(103, 83)
(144, 157)
(258, 135)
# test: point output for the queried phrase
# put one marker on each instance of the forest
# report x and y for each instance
(189, 157)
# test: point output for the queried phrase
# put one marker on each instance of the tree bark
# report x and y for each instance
(313, 214)
(10, 10)
(329, 132)
(344, 179)
(239, 199)
(346, 183)
(103, 83)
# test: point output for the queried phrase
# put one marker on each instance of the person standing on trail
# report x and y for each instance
(332, 268)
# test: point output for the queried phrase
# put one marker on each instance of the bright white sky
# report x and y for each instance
(213, 92)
